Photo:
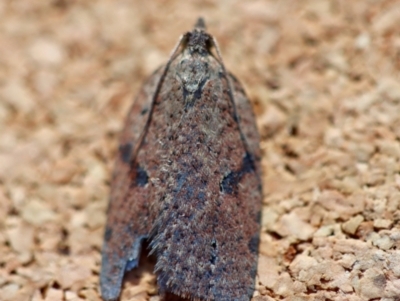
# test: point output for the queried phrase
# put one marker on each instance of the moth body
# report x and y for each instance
(187, 180)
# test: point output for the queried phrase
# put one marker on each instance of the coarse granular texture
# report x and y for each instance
(323, 77)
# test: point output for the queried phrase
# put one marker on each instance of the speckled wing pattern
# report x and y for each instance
(128, 222)
(188, 180)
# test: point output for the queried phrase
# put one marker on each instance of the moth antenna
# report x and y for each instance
(219, 57)
(230, 84)
(200, 24)
(181, 41)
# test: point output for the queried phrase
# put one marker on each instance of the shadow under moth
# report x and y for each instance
(187, 181)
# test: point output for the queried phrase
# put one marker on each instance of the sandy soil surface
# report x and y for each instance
(323, 77)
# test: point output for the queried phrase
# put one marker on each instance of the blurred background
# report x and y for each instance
(323, 78)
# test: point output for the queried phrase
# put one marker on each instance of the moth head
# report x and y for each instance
(200, 24)
(198, 40)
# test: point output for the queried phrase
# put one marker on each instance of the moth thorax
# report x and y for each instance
(193, 73)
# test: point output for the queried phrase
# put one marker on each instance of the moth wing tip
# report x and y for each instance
(111, 280)
(110, 291)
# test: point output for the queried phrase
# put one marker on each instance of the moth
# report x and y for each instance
(187, 180)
